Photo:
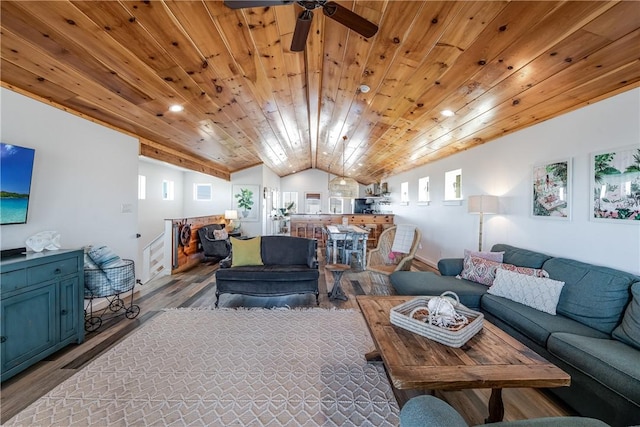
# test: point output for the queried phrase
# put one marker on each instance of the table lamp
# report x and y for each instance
(230, 215)
(482, 205)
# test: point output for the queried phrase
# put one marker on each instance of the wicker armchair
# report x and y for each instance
(378, 259)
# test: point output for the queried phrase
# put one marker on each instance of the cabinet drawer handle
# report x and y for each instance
(57, 271)
(3, 339)
(64, 312)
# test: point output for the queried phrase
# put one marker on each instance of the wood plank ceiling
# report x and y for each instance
(499, 65)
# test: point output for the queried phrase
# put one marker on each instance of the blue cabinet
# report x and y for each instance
(41, 307)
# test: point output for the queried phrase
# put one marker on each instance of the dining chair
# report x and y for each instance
(353, 245)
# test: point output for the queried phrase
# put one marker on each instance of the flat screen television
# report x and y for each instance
(16, 169)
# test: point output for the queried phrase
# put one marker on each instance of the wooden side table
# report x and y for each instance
(337, 270)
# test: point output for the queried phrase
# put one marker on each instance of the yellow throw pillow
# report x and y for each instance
(245, 252)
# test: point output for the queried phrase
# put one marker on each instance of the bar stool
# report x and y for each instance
(317, 233)
(301, 230)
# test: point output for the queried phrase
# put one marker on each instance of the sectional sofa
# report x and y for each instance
(594, 334)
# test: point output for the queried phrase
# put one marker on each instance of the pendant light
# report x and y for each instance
(343, 186)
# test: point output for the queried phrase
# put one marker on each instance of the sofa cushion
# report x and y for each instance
(629, 330)
(532, 323)
(593, 295)
(428, 283)
(245, 252)
(608, 361)
(288, 250)
(540, 293)
(521, 257)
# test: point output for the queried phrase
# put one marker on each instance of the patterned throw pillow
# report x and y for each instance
(535, 292)
(220, 234)
(484, 271)
(491, 256)
(479, 270)
(524, 270)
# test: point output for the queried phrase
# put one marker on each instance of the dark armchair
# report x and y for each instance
(214, 249)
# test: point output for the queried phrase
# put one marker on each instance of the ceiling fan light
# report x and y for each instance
(349, 19)
(303, 25)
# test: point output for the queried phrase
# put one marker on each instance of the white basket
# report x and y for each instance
(452, 337)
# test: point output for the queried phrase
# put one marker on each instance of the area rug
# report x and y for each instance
(225, 367)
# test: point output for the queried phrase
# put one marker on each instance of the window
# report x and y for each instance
(142, 187)
(167, 190)
(289, 197)
(336, 205)
(202, 192)
(423, 191)
(312, 203)
(453, 185)
(404, 193)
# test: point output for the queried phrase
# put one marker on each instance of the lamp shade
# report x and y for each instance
(483, 204)
(344, 187)
(231, 214)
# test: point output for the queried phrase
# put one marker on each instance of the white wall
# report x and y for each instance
(251, 176)
(314, 181)
(83, 174)
(153, 211)
(221, 195)
(504, 168)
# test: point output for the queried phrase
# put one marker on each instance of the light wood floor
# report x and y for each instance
(196, 288)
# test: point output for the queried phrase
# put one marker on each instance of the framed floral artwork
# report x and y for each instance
(615, 185)
(246, 201)
(551, 190)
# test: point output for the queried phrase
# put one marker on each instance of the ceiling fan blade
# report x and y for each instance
(242, 4)
(349, 19)
(303, 25)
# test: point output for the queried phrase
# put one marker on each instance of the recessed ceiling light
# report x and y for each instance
(447, 113)
(176, 108)
(364, 88)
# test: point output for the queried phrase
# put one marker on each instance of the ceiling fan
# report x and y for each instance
(330, 8)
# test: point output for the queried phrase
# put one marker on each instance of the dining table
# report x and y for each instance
(336, 233)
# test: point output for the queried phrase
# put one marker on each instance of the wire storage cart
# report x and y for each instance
(109, 283)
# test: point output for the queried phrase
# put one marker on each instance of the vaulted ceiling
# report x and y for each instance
(499, 65)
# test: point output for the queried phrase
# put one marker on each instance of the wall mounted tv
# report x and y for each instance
(16, 169)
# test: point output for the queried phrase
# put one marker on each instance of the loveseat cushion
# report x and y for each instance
(520, 257)
(608, 361)
(268, 273)
(593, 295)
(532, 323)
(289, 250)
(428, 283)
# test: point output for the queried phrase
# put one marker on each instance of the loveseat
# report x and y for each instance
(594, 335)
(269, 266)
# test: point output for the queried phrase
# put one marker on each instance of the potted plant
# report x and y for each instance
(245, 200)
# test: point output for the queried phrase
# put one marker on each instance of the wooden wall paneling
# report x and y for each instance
(191, 255)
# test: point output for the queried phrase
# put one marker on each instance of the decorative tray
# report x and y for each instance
(455, 336)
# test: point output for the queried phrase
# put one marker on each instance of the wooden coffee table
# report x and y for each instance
(491, 359)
